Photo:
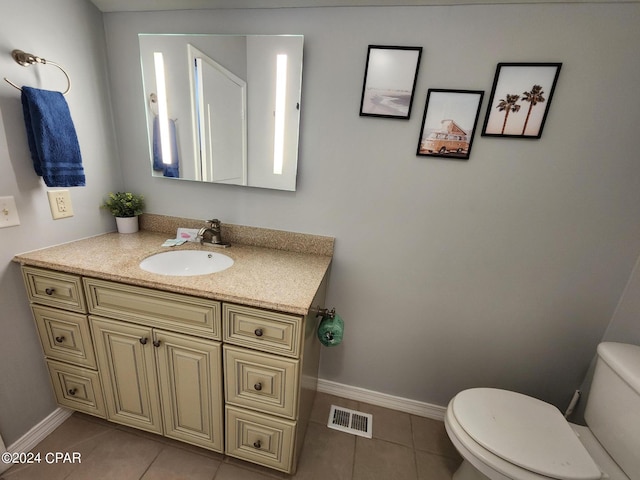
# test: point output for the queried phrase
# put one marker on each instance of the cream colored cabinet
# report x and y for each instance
(160, 381)
(271, 365)
(59, 309)
(190, 374)
(166, 382)
(127, 362)
(230, 378)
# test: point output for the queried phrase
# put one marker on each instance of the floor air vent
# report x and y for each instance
(350, 421)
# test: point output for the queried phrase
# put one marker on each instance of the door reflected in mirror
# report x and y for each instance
(223, 108)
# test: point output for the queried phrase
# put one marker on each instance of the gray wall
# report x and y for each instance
(625, 325)
(504, 270)
(68, 32)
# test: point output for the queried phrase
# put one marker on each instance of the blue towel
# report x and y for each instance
(52, 138)
(172, 169)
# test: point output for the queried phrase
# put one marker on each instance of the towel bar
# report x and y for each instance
(26, 59)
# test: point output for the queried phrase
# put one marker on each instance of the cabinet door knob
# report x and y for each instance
(258, 386)
(257, 444)
(258, 332)
(59, 339)
(156, 343)
(143, 340)
(49, 291)
(72, 391)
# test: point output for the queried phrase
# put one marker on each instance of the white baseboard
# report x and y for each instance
(414, 407)
(40, 431)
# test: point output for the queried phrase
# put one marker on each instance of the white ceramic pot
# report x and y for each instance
(127, 224)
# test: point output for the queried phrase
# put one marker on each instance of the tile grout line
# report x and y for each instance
(413, 443)
(152, 461)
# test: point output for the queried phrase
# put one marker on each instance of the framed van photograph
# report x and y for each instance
(390, 81)
(520, 99)
(449, 123)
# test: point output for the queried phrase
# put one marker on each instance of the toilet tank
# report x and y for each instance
(613, 407)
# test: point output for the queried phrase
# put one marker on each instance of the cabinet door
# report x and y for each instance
(190, 376)
(126, 361)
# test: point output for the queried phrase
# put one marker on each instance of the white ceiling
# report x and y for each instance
(152, 5)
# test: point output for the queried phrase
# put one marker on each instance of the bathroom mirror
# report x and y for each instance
(223, 108)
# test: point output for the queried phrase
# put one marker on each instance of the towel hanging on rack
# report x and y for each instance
(52, 138)
(171, 169)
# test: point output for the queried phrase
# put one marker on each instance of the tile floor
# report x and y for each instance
(403, 447)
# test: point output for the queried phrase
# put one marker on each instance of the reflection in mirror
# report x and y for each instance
(223, 108)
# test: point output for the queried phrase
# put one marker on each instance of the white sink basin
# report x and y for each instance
(185, 263)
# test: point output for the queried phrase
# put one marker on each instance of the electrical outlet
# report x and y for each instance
(8, 212)
(60, 203)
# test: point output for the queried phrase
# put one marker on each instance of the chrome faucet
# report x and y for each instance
(212, 234)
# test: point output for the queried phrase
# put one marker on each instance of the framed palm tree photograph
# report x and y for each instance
(520, 99)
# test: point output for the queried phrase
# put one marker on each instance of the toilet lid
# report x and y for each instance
(524, 431)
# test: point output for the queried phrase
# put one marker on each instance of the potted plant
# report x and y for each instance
(125, 207)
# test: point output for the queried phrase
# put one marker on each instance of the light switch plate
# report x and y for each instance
(60, 204)
(8, 212)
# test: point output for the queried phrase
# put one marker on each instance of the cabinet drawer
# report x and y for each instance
(154, 308)
(272, 332)
(260, 381)
(260, 439)
(54, 289)
(64, 335)
(77, 388)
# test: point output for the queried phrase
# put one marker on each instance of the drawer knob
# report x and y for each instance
(49, 291)
(156, 343)
(258, 386)
(59, 339)
(257, 444)
(258, 332)
(143, 340)
(72, 391)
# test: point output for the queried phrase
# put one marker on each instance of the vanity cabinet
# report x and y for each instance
(232, 378)
(271, 362)
(154, 379)
(59, 309)
(162, 382)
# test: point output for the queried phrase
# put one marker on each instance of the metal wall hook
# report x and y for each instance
(25, 59)
(325, 312)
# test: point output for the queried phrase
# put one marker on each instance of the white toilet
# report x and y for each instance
(505, 435)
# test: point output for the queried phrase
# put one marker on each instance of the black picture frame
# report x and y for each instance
(449, 123)
(390, 81)
(519, 90)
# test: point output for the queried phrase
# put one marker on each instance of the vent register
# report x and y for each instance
(350, 421)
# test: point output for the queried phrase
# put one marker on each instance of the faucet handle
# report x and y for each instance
(214, 222)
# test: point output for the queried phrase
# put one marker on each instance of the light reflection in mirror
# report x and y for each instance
(281, 99)
(163, 117)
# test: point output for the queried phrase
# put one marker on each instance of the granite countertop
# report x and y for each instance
(262, 277)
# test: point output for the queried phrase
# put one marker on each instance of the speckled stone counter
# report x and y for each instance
(270, 278)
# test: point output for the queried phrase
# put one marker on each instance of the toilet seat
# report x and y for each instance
(523, 431)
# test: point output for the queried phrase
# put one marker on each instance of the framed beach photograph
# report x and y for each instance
(520, 99)
(449, 123)
(390, 81)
